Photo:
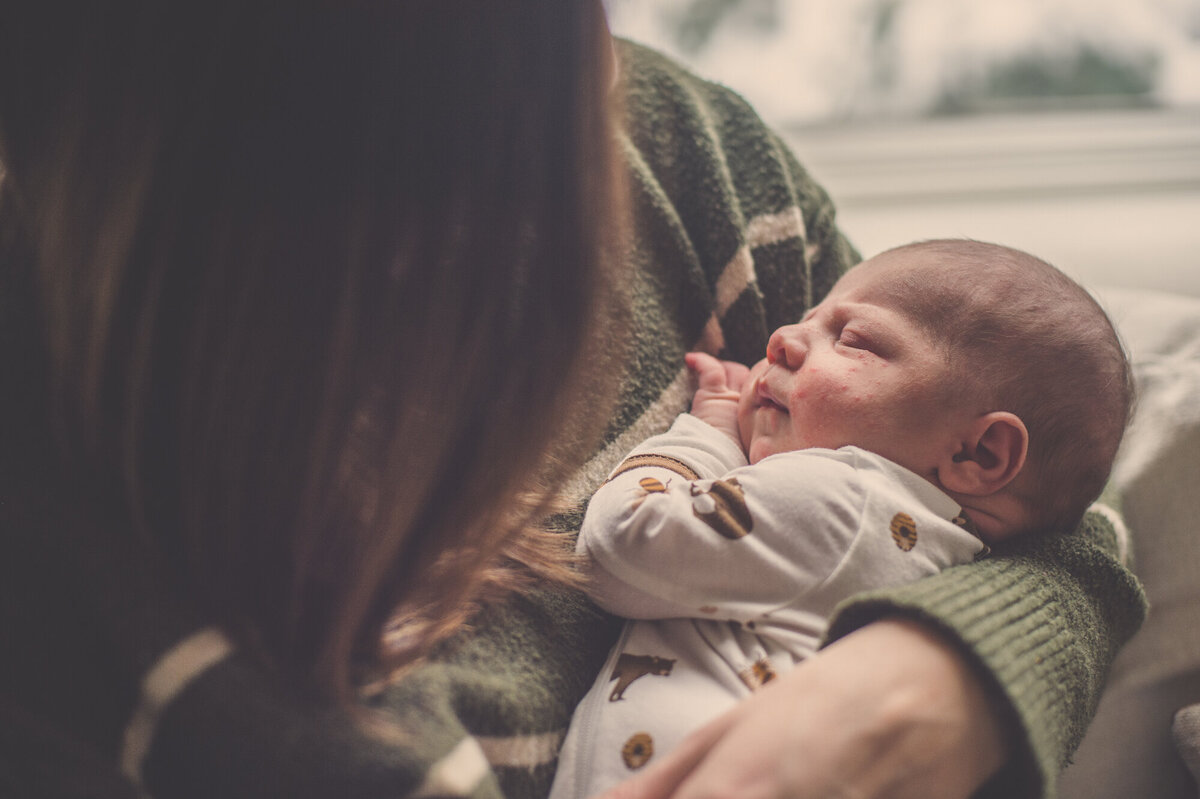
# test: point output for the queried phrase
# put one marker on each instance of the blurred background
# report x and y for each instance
(1068, 128)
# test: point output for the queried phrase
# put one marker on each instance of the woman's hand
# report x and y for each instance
(890, 710)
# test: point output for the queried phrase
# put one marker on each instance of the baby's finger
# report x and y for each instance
(708, 369)
(736, 374)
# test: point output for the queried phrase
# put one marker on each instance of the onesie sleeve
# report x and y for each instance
(663, 540)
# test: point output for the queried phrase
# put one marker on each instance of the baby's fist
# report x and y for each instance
(716, 398)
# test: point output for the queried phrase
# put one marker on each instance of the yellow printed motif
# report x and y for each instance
(757, 674)
(652, 485)
(637, 750)
(904, 531)
(633, 667)
(646, 487)
(722, 506)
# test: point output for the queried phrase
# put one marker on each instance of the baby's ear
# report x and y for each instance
(992, 452)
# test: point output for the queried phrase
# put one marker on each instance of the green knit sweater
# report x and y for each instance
(732, 238)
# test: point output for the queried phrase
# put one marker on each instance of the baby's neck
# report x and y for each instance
(996, 517)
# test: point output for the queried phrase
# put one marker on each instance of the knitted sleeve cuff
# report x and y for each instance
(1040, 624)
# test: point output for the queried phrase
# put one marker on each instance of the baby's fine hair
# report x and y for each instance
(1030, 340)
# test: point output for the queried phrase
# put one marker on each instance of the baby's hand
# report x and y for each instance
(716, 398)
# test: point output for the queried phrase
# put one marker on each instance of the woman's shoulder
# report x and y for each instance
(648, 75)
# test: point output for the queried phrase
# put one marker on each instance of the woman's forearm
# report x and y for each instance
(892, 710)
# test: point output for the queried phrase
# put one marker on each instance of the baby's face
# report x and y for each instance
(854, 371)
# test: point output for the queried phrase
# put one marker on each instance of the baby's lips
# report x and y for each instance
(764, 397)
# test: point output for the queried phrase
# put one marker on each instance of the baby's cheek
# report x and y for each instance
(746, 439)
(745, 423)
(760, 448)
(819, 393)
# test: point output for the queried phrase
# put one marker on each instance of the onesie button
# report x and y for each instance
(637, 750)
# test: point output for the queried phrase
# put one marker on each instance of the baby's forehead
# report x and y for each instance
(886, 281)
(892, 266)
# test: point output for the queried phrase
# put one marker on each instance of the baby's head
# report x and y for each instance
(981, 368)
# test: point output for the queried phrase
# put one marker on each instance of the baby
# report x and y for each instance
(945, 397)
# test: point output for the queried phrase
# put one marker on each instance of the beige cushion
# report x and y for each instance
(1129, 750)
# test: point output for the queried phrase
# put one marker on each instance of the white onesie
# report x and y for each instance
(728, 573)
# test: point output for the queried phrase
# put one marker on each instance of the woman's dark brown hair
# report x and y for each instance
(316, 284)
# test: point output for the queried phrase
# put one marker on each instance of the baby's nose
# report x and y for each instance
(787, 347)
